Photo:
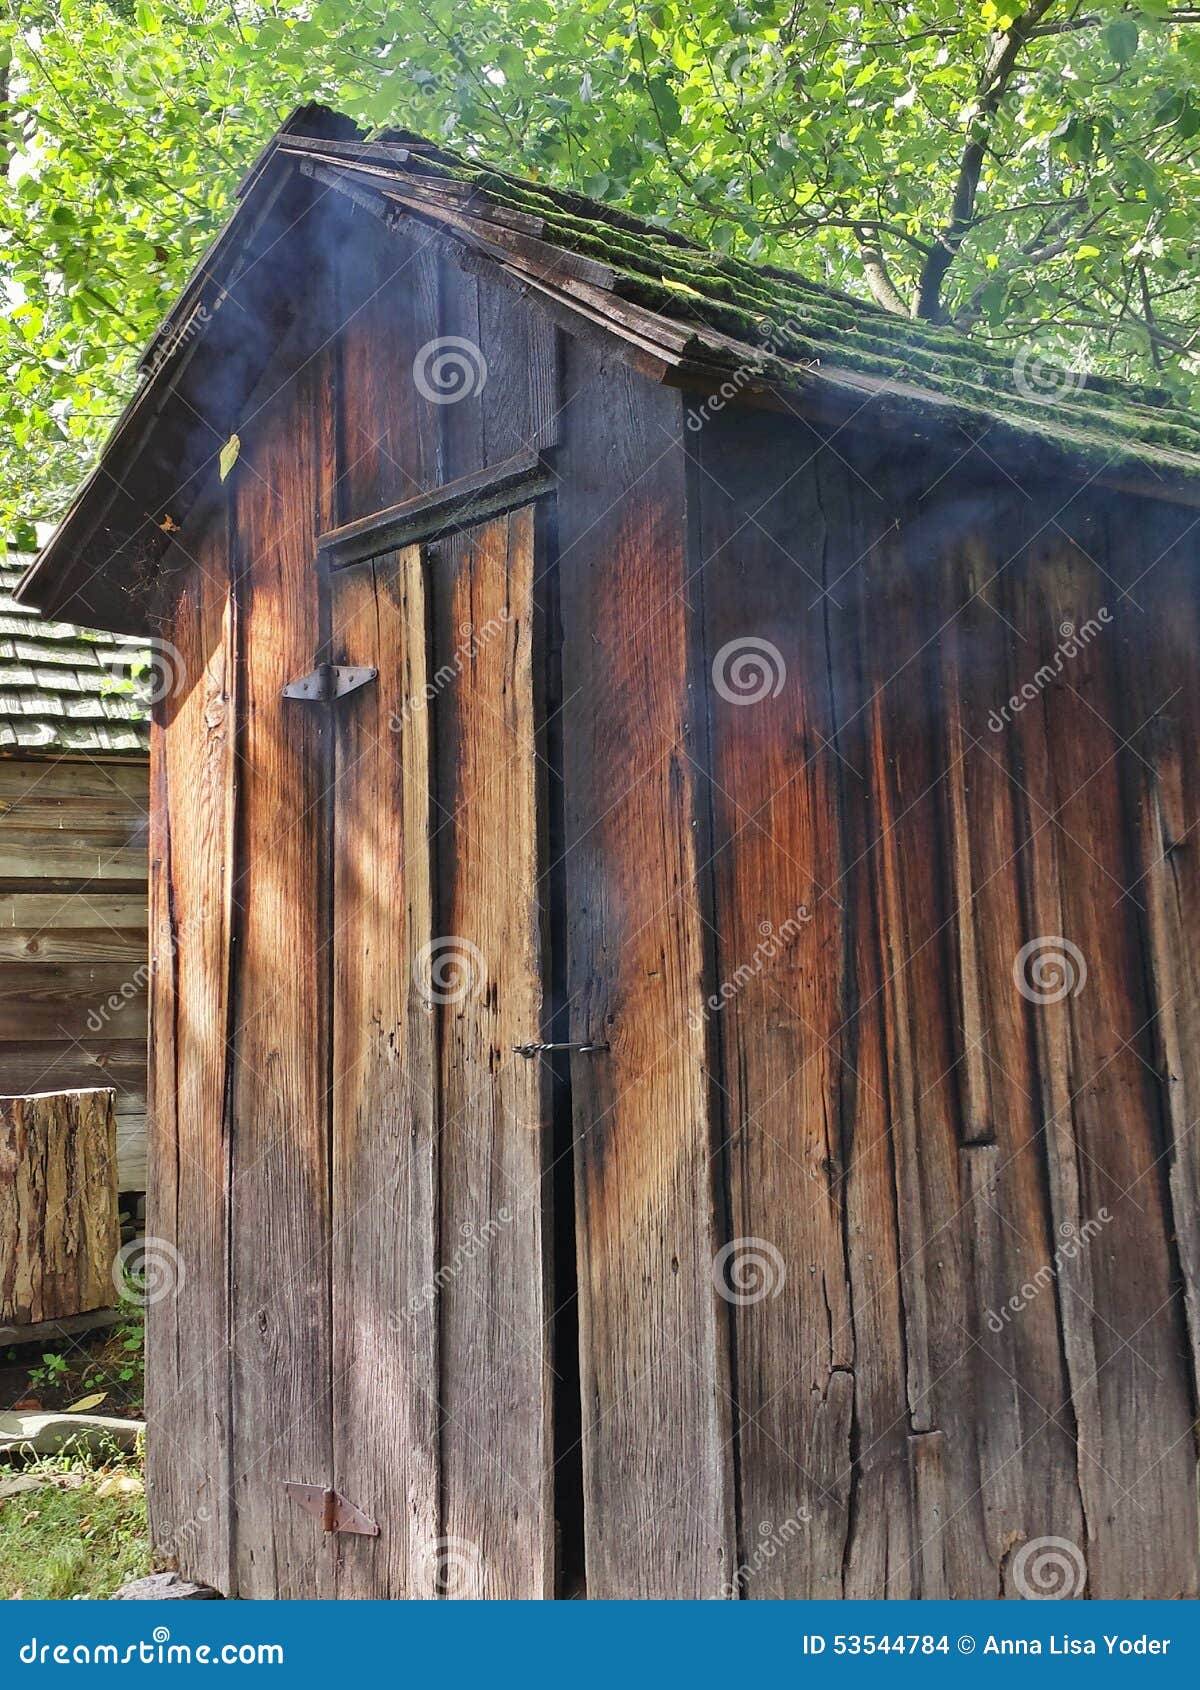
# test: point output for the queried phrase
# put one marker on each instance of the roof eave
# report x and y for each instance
(73, 575)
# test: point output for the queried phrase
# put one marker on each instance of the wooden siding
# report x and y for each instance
(827, 1140)
(352, 1171)
(914, 1141)
(73, 953)
(657, 1449)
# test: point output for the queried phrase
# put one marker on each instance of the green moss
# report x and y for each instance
(790, 320)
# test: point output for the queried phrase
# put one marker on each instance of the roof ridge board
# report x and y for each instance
(385, 152)
(415, 188)
(569, 200)
(309, 118)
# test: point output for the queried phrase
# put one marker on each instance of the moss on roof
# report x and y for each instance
(60, 686)
(791, 320)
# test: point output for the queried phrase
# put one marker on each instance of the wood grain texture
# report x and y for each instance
(28, 853)
(778, 1006)
(45, 911)
(278, 1105)
(194, 771)
(93, 943)
(45, 1065)
(497, 1340)
(881, 1539)
(486, 979)
(385, 1103)
(1027, 1457)
(898, 753)
(58, 1205)
(70, 1000)
(1105, 1134)
(385, 1108)
(654, 1334)
(1162, 780)
(73, 962)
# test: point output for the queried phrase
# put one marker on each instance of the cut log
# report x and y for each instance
(59, 1234)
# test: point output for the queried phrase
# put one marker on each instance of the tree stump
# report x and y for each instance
(59, 1233)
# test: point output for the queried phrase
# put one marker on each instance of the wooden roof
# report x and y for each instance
(754, 333)
(59, 684)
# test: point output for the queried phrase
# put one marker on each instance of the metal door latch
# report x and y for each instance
(335, 1513)
(328, 681)
(537, 1048)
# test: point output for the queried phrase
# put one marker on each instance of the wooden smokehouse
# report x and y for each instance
(675, 1047)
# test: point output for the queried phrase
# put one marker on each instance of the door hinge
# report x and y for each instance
(335, 1513)
(328, 681)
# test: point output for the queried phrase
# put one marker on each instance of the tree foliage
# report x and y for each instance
(1023, 169)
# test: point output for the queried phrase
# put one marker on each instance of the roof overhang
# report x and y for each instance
(100, 566)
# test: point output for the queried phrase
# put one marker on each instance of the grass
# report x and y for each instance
(82, 1532)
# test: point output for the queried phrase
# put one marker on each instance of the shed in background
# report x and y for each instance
(74, 750)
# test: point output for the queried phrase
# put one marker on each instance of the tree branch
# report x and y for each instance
(883, 289)
(993, 84)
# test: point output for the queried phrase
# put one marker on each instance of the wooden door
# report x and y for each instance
(440, 1302)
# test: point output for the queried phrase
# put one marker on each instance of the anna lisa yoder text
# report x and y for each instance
(856, 1643)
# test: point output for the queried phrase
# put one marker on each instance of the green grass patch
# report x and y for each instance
(81, 1532)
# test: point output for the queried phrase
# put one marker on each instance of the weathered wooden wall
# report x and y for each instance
(353, 1170)
(830, 1137)
(73, 961)
(912, 1140)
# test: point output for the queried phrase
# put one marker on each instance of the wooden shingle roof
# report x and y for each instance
(708, 322)
(700, 308)
(60, 686)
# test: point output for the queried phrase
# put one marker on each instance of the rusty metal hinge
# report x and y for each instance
(328, 681)
(333, 1510)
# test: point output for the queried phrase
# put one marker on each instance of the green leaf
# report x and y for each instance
(1121, 36)
(665, 104)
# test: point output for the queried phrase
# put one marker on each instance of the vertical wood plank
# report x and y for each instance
(654, 1337)
(279, 1098)
(894, 599)
(779, 1004)
(1103, 1130)
(1162, 706)
(385, 1115)
(194, 782)
(385, 1111)
(496, 1381)
(496, 1378)
(1024, 1426)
